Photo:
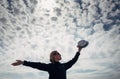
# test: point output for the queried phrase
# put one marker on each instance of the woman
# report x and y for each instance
(55, 69)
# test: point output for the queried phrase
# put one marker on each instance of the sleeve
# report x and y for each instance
(37, 65)
(71, 62)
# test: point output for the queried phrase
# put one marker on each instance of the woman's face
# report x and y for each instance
(57, 57)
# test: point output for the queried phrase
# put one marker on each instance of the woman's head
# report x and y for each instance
(55, 56)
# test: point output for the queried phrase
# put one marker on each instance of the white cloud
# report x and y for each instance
(31, 34)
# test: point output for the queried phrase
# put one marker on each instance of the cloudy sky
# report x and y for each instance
(31, 29)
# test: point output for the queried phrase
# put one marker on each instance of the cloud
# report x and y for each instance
(31, 30)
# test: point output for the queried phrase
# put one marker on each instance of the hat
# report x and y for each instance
(82, 43)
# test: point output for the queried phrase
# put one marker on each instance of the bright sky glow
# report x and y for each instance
(48, 4)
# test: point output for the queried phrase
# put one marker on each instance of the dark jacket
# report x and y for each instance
(56, 70)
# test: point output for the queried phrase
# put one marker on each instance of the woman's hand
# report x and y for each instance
(18, 62)
(79, 49)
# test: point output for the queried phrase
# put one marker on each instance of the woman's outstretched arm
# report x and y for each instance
(17, 63)
(74, 59)
(37, 65)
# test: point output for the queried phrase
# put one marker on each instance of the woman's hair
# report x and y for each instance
(52, 56)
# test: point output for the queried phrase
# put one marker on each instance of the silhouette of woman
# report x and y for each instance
(55, 69)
